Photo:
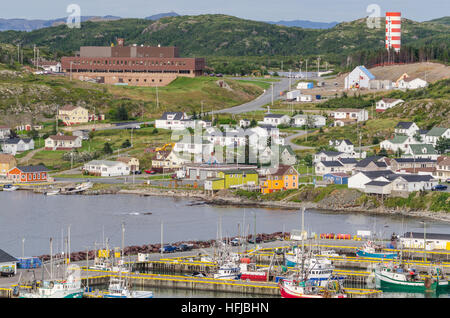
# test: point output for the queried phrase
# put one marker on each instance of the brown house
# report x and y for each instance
(7, 162)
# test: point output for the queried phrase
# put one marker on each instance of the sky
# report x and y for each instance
(260, 10)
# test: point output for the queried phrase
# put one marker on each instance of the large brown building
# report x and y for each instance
(131, 65)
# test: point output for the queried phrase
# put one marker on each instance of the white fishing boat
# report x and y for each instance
(69, 288)
(120, 288)
(294, 288)
(52, 192)
(10, 187)
(228, 270)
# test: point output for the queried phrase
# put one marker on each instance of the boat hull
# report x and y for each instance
(287, 293)
(361, 253)
(390, 284)
(254, 277)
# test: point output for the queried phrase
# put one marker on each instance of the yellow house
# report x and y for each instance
(285, 178)
(232, 179)
(7, 162)
(168, 160)
(71, 115)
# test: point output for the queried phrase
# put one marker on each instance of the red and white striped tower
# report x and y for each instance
(393, 30)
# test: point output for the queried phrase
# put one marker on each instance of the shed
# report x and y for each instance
(337, 177)
(8, 263)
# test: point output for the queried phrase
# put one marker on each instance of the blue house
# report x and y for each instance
(336, 177)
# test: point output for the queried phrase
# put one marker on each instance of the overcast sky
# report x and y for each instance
(262, 10)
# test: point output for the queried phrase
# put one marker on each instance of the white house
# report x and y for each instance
(265, 131)
(5, 132)
(434, 241)
(435, 133)
(349, 115)
(277, 119)
(386, 103)
(399, 142)
(62, 142)
(17, 145)
(342, 145)
(313, 120)
(244, 123)
(407, 128)
(171, 120)
(324, 167)
(426, 151)
(360, 179)
(293, 94)
(411, 83)
(359, 78)
(412, 182)
(106, 168)
(328, 156)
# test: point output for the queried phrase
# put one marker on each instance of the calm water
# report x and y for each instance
(37, 217)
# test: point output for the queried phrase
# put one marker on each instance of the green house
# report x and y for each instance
(231, 179)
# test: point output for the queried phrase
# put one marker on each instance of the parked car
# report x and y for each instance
(439, 187)
(7, 273)
(168, 249)
(258, 240)
(137, 172)
(448, 180)
(185, 247)
(236, 241)
(150, 171)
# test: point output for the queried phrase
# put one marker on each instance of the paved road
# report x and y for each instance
(288, 141)
(259, 102)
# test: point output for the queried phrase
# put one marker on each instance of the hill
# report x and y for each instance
(305, 24)
(223, 35)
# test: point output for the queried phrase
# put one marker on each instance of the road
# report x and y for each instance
(259, 102)
(288, 141)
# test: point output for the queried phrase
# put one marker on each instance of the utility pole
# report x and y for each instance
(290, 78)
(318, 66)
(157, 99)
(56, 119)
(162, 231)
(68, 253)
(272, 94)
(51, 258)
(23, 247)
(306, 69)
(254, 239)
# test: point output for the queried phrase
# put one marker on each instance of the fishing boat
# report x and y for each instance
(371, 250)
(69, 288)
(304, 288)
(228, 270)
(120, 288)
(52, 192)
(10, 187)
(249, 272)
(394, 276)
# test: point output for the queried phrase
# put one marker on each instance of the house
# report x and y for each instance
(232, 137)
(358, 78)
(71, 115)
(284, 178)
(435, 133)
(398, 142)
(342, 145)
(304, 98)
(412, 83)
(264, 132)
(106, 168)
(171, 120)
(293, 95)
(168, 160)
(229, 179)
(407, 128)
(373, 163)
(309, 120)
(27, 174)
(305, 85)
(28, 127)
(5, 132)
(62, 142)
(343, 116)
(405, 164)
(412, 182)
(277, 119)
(194, 147)
(244, 123)
(421, 151)
(348, 163)
(325, 167)
(50, 66)
(416, 240)
(287, 155)
(402, 77)
(336, 178)
(133, 163)
(442, 168)
(327, 156)
(17, 145)
(360, 178)
(203, 171)
(386, 103)
(7, 162)
(8, 263)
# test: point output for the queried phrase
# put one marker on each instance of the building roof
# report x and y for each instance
(431, 236)
(377, 183)
(376, 174)
(178, 115)
(238, 171)
(330, 153)
(282, 169)
(340, 141)
(410, 177)
(288, 148)
(348, 160)
(63, 137)
(274, 115)
(412, 160)
(125, 159)
(37, 168)
(332, 163)
(108, 163)
(404, 124)
(444, 161)
(6, 158)
(16, 140)
(364, 162)
(399, 139)
(418, 149)
(366, 71)
(6, 258)
(436, 131)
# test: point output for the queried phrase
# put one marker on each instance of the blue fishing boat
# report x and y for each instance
(370, 250)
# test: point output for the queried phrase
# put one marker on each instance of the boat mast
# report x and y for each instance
(51, 258)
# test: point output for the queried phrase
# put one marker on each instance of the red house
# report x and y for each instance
(28, 174)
